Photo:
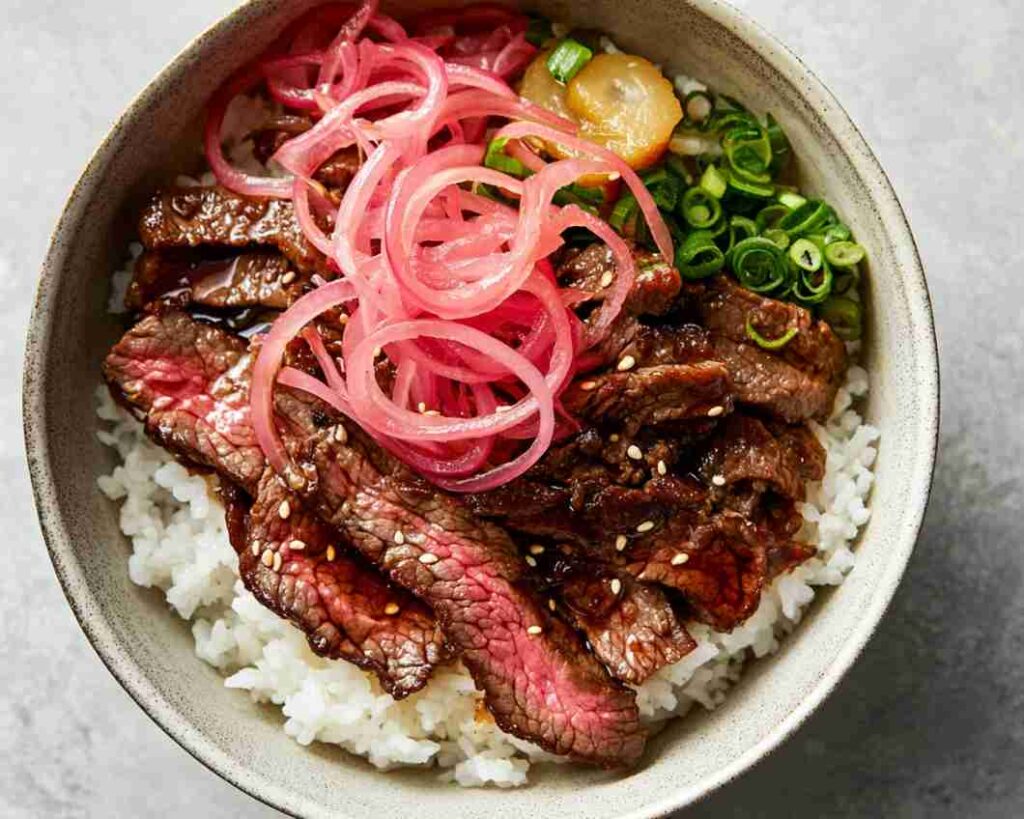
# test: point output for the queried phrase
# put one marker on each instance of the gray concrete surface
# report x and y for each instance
(930, 723)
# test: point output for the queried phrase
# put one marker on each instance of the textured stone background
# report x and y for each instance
(928, 723)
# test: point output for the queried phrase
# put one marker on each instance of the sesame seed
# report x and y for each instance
(634, 452)
(427, 558)
(288, 277)
(620, 542)
(284, 510)
(391, 609)
(679, 559)
(607, 278)
(531, 561)
(535, 630)
(377, 352)
(399, 537)
(627, 362)
(277, 561)
(616, 585)
(268, 558)
(614, 175)
(331, 553)
(432, 412)
(536, 549)
(714, 412)
(422, 406)
(614, 438)
(297, 545)
(588, 385)
(340, 434)
(718, 480)
(256, 546)
(552, 604)
(646, 526)
(662, 468)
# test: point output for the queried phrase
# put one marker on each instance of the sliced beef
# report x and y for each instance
(189, 383)
(335, 173)
(651, 395)
(744, 453)
(631, 627)
(257, 278)
(539, 682)
(214, 217)
(296, 566)
(720, 566)
(593, 270)
(797, 382)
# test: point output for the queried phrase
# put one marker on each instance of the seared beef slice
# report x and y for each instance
(215, 217)
(538, 680)
(293, 564)
(797, 382)
(189, 383)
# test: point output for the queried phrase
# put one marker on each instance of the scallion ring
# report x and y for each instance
(807, 218)
(624, 211)
(813, 286)
(770, 343)
(699, 257)
(714, 181)
(778, 237)
(740, 228)
(760, 265)
(806, 255)
(837, 233)
(844, 254)
(699, 209)
(769, 216)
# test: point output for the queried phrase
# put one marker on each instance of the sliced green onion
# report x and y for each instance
(760, 265)
(665, 188)
(770, 343)
(699, 257)
(806, 255)
(538, 31)
(791, 199)
(769, 216)
(497, 159)
(779, 237)
(758, 190)
(837, 233)
(805, 219)
(749, 152)
(843, 316)
(844, 279)
(807, 290)
(623, 212)
(740, 228)
(713, 181)
(587, 198)
(844, 254)
(568, 57)
(699, 209)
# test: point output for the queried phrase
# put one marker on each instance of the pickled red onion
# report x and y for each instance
(451, 286)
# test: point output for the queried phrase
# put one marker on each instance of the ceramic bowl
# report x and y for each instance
(150, 651)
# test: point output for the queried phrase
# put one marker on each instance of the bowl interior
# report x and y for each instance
(150, 650)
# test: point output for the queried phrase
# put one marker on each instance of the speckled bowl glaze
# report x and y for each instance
(150, 651)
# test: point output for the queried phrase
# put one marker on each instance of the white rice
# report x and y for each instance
(180, 546)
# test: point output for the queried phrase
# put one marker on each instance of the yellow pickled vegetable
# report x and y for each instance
(624, 103)
(619, 101)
